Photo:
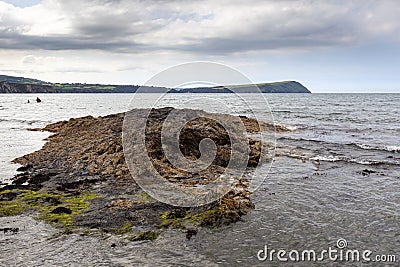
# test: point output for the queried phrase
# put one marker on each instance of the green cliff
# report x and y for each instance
(11, 84)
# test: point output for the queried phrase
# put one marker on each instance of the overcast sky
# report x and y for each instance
(329, 46)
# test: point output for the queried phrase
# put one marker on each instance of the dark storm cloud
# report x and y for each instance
(198, 26)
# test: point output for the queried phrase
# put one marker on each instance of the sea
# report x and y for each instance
(334, 184)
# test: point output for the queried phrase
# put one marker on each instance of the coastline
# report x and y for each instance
(12, 85)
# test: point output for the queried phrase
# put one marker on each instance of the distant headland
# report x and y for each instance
(12, 84)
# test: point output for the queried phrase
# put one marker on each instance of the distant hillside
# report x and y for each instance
(11, 84)
(13, 79)
(277, 87)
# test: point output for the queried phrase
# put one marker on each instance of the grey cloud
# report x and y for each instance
(137, 26)
(21, 42)
(222, 46)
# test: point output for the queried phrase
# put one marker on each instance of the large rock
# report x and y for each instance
(86, 155)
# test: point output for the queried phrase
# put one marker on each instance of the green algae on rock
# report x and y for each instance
(56, 208)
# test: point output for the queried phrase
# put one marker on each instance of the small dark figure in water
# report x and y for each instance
(38, 100)
(29, 101)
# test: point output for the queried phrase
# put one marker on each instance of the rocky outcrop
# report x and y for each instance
(83, 162)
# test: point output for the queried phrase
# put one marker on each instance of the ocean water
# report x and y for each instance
(336, 175)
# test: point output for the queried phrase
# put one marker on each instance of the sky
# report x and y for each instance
(329, 46)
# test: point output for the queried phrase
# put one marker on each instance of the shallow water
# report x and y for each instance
(316, 192)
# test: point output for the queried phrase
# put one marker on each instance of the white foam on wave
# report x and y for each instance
(329, 158)
(292, 128)
(361, 161)
(395, 149)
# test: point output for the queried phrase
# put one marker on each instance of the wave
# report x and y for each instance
(331, 158)
(395, 149)
(282, 111)
(292, 128)
(27, 121)
(299, 139)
